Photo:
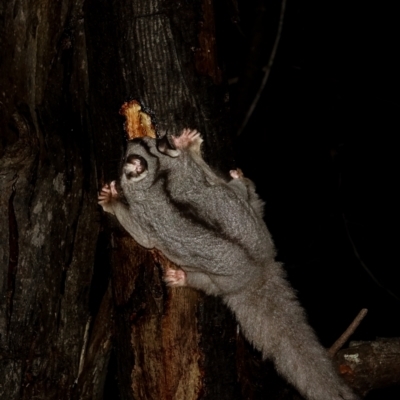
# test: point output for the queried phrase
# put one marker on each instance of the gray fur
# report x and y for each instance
(214, 231)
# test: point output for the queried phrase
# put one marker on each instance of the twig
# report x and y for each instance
(267, 69)
(356, 253)
(347, 333)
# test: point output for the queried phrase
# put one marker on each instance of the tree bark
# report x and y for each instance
(49, 219)
(56, 317)
(371, 365)
(162, 54)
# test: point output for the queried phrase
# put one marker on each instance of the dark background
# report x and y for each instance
(321, 147)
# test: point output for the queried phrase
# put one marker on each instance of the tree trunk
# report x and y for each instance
(162, 54)
(56, 327)
(49, 219)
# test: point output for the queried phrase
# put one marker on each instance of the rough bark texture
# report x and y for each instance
(47, 191)
(56, 327)
(158, 331)
(371, 365)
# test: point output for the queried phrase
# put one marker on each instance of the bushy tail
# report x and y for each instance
(273, 320)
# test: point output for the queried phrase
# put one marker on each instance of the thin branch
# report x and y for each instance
(267, 69)
(347, 333)
(369, 272)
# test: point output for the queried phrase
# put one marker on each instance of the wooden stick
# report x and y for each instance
(347, 333)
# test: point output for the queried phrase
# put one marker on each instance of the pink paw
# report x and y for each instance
(175, 277)
(188, 139)
(107, 195)
(236, 173)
